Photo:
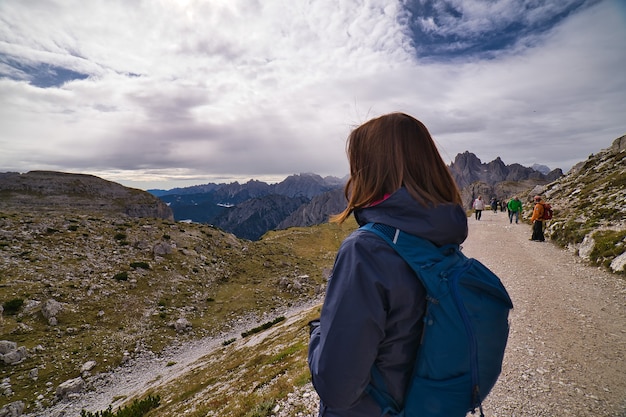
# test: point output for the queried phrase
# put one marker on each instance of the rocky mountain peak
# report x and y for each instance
(467, 169)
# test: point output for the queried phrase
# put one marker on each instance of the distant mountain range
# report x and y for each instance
(249, 210)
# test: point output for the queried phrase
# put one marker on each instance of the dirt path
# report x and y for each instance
(567, 349)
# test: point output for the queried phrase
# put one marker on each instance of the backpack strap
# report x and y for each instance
(377, 389)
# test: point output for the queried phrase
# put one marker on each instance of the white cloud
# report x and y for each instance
(238, 89)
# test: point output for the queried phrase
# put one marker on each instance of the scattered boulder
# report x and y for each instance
(586, 247)
(5, 387)
(14, 409)
(50, 309)
(10, 354)
(162, 249)
(7, 346)
(619, 263)
(71, 386)
(88, 366)
(182, 325)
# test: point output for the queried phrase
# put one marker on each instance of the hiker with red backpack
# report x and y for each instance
(541, 212)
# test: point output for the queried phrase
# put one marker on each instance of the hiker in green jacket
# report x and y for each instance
(515, 208)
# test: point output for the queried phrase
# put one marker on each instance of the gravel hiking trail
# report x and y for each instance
(566, 354)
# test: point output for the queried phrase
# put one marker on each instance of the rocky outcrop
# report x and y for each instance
(590, 214)
(11, 354)
(14, 409)
(50, 309)
(48, 190)
(467, 169)
(69, 387)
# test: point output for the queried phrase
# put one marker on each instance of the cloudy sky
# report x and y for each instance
(168, 93)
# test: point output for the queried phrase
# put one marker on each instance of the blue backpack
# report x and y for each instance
(465, 331)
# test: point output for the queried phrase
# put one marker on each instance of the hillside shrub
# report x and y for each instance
(262, 410)
(121, 276)
(565, 233)
(138, 408)
(608, 245)
(120, 236)
(11, 307)
(263, 327)
(142, 265)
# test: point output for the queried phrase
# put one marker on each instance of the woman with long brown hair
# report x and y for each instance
(374, 304)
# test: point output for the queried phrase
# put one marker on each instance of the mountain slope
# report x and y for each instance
(47, 190)
(590, 209)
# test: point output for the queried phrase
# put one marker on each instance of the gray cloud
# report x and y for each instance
(191, 92)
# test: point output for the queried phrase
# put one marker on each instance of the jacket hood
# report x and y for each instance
(442, 224)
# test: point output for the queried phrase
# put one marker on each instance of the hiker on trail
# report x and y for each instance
(537, 220)
(374, 306)
(479, 206)
(494, 205)
(515, 208)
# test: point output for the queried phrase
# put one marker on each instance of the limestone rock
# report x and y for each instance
(182, 325)
(10, 354)
(584, 251)
(71, 386)
(619, 263)
(162, 249)
(14, 409)
(50, 309)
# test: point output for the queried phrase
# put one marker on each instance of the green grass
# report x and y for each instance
(103, 317)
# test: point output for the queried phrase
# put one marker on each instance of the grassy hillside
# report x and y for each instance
(122, 283)
(590, 209)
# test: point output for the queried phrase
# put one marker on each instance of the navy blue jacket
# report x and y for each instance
(374, 306)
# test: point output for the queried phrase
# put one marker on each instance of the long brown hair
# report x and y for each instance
(392, 151)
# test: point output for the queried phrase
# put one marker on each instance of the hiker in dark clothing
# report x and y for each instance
(374, 304)
(537, 221)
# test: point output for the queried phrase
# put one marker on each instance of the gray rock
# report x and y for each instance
(7, 346)
(51, 308)
(88, 366)
(14, 409)
(586, 247)
(619, 263)
(162, 249)
(71, 386)
(182, 325)
(5, 387)
(15, 356)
